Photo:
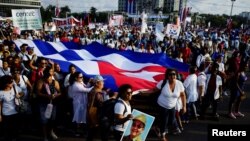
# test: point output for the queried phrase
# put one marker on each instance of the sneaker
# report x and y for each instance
(239, 114)
(231, 115)
(177, 131)
(157, 131)
(225, 93)
(216, 117)
(182, 129)
(77, 134)
(163, 137)
(53, 135)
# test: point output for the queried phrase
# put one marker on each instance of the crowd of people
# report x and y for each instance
(39, 81)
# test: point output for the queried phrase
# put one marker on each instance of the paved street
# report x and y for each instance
(195, 130)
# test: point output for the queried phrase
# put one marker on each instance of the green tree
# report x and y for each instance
(93, 13)
(64, 11)
(102, 17)
(47, 13)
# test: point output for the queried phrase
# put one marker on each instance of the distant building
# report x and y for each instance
(128, 6)
(245, 15)
(7, 5)
(149, 6)
(171, 6)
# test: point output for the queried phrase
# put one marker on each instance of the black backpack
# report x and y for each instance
(107, 111)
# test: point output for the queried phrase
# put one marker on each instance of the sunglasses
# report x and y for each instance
(80, 77)
(171, 74)
(129, 92)
(138, 125)
(11, 82)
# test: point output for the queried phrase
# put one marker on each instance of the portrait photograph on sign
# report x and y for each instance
(138, 128)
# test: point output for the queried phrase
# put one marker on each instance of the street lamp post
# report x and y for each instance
(232, 8)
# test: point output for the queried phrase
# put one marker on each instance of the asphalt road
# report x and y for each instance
(195, 130)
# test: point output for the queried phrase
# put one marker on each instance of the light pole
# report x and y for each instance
(232, 8)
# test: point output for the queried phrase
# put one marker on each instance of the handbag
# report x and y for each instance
(48, 111)
(93, 119)
(19, 103)
(243, 96)
(92, 114)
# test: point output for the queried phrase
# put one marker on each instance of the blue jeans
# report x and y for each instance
(167, 119)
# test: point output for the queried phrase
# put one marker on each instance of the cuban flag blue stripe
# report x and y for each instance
(70, 55)
(45, 48)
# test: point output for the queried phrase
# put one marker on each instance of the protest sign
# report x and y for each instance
(138, 128)
(27, 19)
(173, 30)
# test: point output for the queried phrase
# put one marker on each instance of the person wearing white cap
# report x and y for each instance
(95, 101)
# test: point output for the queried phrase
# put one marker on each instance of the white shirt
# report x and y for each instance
(4, 72)
(179, 59)
(119, 109)
(79, 88)
(202, 78)
(7, 98)
(168, 99)
(199, 60)
(28, 57)
(190, 83)
(79, 93)
(66, 80)
(221, 67)
(22, 85)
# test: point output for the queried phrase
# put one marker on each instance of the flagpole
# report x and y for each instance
(184, 22)
(131, 7)
(128, 6)
(232, 8)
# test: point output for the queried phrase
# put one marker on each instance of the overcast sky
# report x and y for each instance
(201, 6)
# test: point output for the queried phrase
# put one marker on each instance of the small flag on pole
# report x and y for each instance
(57, 11)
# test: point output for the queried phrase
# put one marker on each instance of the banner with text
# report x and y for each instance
(116, 20)
(66, 22)
(27, 19)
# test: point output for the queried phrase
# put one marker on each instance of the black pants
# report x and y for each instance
(11, 127)
(92, 132)
(105, 129)
(118, 135)
(206, 102)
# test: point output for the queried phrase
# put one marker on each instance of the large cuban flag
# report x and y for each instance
(141, 70)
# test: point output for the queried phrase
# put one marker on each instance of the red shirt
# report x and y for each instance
(186, 54)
